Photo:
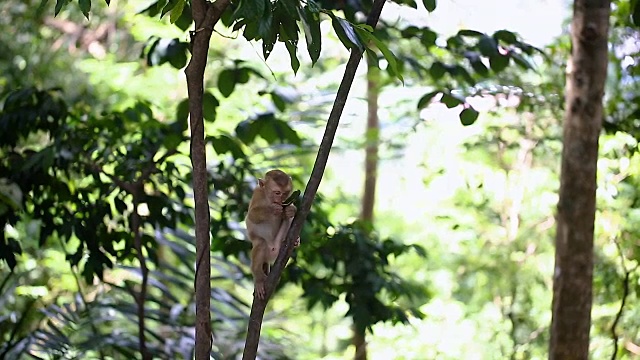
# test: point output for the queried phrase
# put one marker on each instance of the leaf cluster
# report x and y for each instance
(351, 261)
(76, 172)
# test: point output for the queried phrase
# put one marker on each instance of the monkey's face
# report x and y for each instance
(276, 192)
(277, 195)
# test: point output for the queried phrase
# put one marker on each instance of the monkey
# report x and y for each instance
(268, 222)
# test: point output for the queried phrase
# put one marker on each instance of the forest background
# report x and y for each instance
(457, 262)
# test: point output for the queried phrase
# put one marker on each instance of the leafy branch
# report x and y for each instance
(259, 305)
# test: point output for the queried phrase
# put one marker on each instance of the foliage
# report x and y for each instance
(374, 292)
(85, 170)
(64, 170)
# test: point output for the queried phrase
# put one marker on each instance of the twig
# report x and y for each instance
(625, 294)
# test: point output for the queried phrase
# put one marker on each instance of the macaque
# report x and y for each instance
(268, 222)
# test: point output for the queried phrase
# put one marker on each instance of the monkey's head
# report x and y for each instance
(276, 186)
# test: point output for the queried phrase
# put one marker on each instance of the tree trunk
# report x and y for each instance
(573, 273)
(372, 138)
(205, 16)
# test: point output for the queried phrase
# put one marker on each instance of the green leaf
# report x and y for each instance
(425, 100)
(168, 7)
(311, 25)
(250, 9)
(450, 101)
(176, 53)
(388, 55)
(85, 7)
(506, 36)
(210, 104)
(468, 116)
(292, 198)
(437, 70)
(184, 21)
(268, 32)
(477, 64)
(182, 111)
(410, 31)
(266, 26)
(456, 42)
(346, 33)
(226, 82)
(59, 5)
(242, 74)
(488, 46)
(43, 3)
(472, 33)
(498, 62)
(226, 144)
(288, 28)
(177, 11)
(430, 5)
(428, 38)
(269, 128)
(291, 7)
(460, 71)
(291, 48)
(635, 15)
(520, 60)
(278, 101)
(246, 132)
(410, 3)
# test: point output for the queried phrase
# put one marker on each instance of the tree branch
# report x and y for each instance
(259, 305)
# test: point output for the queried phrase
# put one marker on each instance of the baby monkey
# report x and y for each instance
(268, 222)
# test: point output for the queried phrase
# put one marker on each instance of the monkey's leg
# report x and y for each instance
(282, 233)
(258, 261)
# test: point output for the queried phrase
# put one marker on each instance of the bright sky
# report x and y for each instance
(537, 21)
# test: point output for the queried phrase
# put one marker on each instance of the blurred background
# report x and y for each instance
(431, 236)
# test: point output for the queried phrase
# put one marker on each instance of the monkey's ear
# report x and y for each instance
(261, 182)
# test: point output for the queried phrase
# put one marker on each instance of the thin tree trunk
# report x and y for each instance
(372, 138)
(144, 270)
(259, 305)
(205, 16)
(573, 273)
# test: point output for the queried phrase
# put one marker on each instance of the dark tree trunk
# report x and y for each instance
(205, 16)
(573, 273)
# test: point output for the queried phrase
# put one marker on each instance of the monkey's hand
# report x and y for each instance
(290, 211)
(297, 242)
(276, 209)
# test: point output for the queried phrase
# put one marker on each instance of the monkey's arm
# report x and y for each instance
(259, 213)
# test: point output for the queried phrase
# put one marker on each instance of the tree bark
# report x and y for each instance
(259, 305)
(205, 16)
(573, 273)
